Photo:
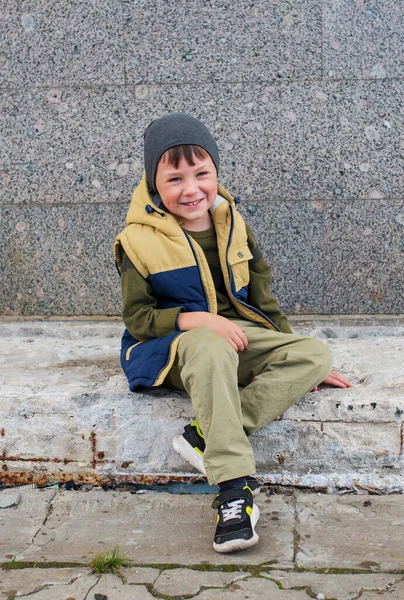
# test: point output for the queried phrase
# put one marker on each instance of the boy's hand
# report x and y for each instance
(335, 379)
(231, 332)
(228, 330)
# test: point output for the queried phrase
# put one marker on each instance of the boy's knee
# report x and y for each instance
(210, 346)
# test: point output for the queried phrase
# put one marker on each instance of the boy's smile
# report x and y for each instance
(188, 191)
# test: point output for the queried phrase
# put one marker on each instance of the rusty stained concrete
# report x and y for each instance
(67, 413)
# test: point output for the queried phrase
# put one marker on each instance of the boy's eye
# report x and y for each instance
(174, 179)
(202, 173)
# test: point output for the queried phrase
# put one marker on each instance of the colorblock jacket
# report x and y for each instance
(175, 267)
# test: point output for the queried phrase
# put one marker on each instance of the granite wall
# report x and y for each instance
(305, 99)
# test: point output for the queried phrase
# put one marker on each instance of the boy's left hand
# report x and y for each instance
(335, 379)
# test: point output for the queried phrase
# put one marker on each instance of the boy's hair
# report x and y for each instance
(175, 154)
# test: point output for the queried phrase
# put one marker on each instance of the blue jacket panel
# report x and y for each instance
(146, 359)
(166, 289)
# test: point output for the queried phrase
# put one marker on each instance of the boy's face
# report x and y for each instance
(188, 191)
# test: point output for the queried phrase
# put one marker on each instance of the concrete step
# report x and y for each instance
(66, 411)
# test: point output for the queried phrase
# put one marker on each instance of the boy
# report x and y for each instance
(200, 317)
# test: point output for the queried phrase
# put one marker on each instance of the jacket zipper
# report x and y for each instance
(199, 270)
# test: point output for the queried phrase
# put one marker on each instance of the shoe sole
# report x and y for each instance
(235, 545)
(187, 453)
(256, 491)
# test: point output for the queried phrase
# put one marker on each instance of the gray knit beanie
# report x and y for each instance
(172, 130)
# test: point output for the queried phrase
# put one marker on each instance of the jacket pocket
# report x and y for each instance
(238, 258)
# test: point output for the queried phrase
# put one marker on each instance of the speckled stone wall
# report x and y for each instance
(304, 97)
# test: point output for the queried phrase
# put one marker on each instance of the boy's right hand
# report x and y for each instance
(232, 333)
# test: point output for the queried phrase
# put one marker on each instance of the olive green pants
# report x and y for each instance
(276, 370)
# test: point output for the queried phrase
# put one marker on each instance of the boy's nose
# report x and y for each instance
(190, 188)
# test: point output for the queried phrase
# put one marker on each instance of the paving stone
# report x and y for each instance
(340, 587)
(26, 581)
(19, 524)
(362, 40)
(110, 586)
(141, 575)
(181, 582)
(52, 43)
(368, 282)
(79, 589)
(348, 532)
(139, 524)
(9, 499)
(254, 589)
(189, 42)
(395, 592)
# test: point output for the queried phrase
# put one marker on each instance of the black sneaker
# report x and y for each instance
(191, 445)
(236, 520)
(253, 484)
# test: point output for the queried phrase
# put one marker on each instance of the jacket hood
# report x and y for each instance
(145, 211)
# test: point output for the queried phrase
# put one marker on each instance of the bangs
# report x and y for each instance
(188, 151)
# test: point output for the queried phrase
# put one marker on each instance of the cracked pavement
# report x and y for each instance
(143, 583)
(329, 547)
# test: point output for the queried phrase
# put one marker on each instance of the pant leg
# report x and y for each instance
(277, 369)
(206, 366)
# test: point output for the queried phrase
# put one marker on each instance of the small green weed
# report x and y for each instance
(109, 561)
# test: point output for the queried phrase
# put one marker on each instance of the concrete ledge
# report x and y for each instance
(66, 412)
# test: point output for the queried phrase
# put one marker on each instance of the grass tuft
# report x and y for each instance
(109, 561)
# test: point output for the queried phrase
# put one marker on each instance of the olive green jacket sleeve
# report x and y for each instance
(259, 293)
(142, 318)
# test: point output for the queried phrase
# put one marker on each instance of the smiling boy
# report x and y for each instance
(200, 317)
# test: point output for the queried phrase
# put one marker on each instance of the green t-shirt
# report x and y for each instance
(208, 242)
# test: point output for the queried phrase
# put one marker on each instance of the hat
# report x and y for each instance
(175, 129)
